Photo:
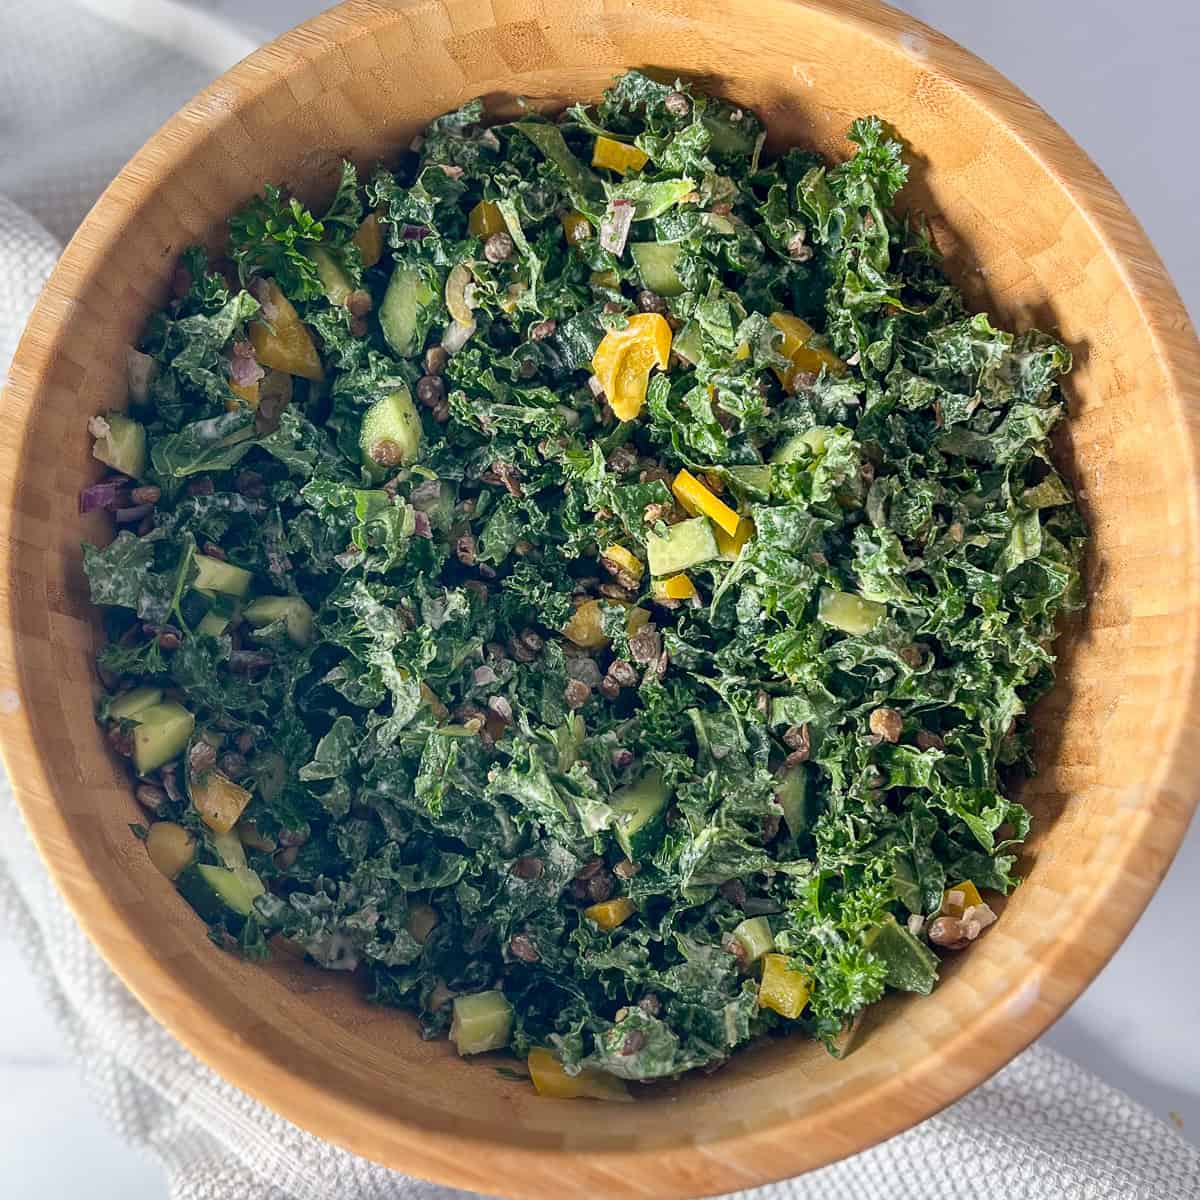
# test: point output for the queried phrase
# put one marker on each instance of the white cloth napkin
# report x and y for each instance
(1042, 1129)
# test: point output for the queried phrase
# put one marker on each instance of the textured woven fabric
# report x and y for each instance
(1043, 1129)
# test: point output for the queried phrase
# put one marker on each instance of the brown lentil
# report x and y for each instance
(887, 723)
(431, 390)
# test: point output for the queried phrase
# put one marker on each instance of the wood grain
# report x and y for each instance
(1034, 232)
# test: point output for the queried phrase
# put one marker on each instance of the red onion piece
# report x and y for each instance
(615, 226)
(421, 526)
(100, 496)
(126, 516)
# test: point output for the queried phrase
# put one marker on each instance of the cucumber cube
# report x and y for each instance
(682, 546)
(216, 575)
(292, 609)
(127, 706)
(121, 443)
(641, 811)
(161, 734)
(849, 613)
(391, 433)
(482, 1021)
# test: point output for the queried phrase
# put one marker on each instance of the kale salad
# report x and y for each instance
(589, 580)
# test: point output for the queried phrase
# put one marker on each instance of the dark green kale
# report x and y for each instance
(476, 744)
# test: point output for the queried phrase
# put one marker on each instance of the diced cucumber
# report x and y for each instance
(641, 811)
(682, 546)
(756, 938)
(337, 284)
(161, 733)
(687, 343)
(230, 850)
(292, 609)
(217, 893)
(216, 575)
(793, 796)
(406, 295)
(482, 1021)
(726, 137)
(123, 444)
(127, 706)
(656, 265)
(849, 613)
(753, 483)
(911, 965)
(807, 444)
(391, 433)
(212, 624)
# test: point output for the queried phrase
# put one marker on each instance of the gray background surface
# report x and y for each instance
(1122, 79)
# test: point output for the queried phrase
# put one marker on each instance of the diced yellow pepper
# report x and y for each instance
(585, 628)
(804, 358)
(781, 988)
(696, 499)
(625, 357)
(743, 351)
(677, 587)
(970, 898)
(608, 914)
(246, 392)
(549, 1079)
(731, 546)
(576, 227)
(430, 698)
(624, 560)
(485, 219)
(368, 237)
(618, 156)
(219, 801)
(605, 279)
(285, 343)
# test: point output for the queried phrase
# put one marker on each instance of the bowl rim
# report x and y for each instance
(889, 1105)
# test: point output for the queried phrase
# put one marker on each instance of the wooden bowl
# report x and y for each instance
(1033, 232)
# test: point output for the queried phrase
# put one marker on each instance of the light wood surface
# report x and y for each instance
(1034, 233)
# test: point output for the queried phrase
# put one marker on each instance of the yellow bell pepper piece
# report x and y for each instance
(549, 1079)
(638, 619)
(285, 343)
(743, 351)
(624, 560)
(804, 358)
(618, 156)
(485, 219)
(677, 587)
(608, 914)
(625, 357)
(247, 392)
(368, 237)
(696, 499)
(430, 698)
(970, 898)
(219, 801)
(781, 988)
(576, 227)
(731, 546)
(585, 627)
